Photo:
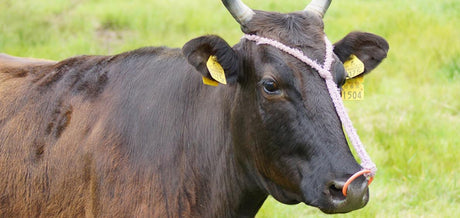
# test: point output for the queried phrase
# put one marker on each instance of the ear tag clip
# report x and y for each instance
(217, 72)
(353, 89)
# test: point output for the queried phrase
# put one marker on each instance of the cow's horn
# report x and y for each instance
(318, 6)
(241, 12)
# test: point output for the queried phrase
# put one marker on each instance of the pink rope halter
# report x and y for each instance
(369, 168)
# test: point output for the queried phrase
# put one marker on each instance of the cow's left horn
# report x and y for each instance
(318, 6)
(241, 12)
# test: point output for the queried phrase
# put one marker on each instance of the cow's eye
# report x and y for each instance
(270, 87)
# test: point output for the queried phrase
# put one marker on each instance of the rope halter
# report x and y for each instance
(369, 168)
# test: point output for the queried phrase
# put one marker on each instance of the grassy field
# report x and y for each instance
(409, 120)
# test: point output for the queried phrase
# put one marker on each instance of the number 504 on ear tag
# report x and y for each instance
(353, 89)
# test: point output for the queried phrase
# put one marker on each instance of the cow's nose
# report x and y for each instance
(357, 195)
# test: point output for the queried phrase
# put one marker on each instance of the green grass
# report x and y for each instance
(409, 120)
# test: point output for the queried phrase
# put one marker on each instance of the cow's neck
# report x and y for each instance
(232, 183)
(242, 194)
(230, 198)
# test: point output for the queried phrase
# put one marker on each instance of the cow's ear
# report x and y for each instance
(367, 47)
(213, 58)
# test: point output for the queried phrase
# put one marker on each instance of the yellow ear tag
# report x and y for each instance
(353, 66)
(353, 89)
(216, 70)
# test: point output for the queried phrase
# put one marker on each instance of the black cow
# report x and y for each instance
(139, 135)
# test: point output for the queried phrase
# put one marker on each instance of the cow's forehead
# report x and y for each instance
(300, 30)
(297, 29)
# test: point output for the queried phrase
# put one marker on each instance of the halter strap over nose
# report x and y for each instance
(324, 71)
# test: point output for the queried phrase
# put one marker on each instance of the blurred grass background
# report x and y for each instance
(409, 120)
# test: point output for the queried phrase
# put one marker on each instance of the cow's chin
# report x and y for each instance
(286, 197)
(282, 195)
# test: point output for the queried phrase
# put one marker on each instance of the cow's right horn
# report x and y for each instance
(241, 12)
(318, 6)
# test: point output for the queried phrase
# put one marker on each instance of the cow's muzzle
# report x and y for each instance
(356, 198)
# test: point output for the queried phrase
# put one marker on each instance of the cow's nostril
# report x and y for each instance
(357, 197)
(335, 190)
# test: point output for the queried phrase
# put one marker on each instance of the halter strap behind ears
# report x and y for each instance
(324, 72)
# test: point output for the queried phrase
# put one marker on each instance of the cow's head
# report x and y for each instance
(285, 128)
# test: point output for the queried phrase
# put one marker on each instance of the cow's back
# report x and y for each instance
(74, 136)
